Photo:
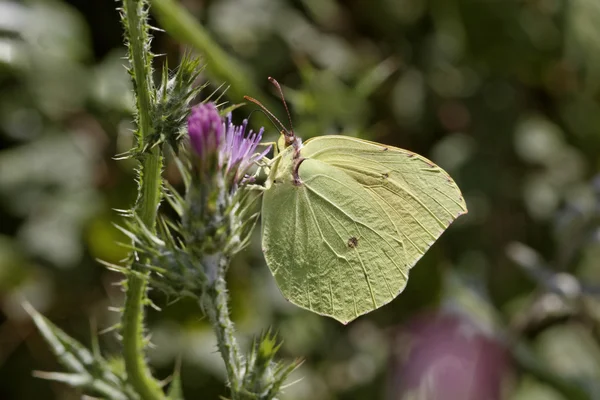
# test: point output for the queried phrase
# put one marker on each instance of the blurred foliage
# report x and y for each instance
(503, 94)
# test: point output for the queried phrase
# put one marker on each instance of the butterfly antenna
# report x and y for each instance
(268, 113)
(287, 110)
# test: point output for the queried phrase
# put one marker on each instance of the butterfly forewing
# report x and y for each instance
(420, 197)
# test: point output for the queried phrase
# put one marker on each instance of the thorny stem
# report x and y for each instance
(138, 372)
(214, 302)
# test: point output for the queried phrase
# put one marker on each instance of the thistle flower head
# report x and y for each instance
(211, 135)
(217, 217)
(238, 151)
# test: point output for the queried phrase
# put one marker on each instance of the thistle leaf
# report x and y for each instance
(175, 391)
(87, 371)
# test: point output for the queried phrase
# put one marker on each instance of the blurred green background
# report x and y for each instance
(504, 95)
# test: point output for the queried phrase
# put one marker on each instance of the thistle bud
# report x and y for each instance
(205, 128)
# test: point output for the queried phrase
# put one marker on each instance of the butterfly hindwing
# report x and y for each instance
(329, 245)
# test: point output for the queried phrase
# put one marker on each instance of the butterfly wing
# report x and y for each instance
(420, 199)
(341, 242)
(327, 245)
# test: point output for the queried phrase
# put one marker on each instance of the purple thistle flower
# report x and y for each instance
(238, 151)
(205, 128)
(210, 135)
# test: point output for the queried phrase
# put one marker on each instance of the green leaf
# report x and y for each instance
(88, 371)
(175, 391)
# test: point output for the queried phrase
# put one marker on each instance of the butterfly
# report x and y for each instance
(345, 219)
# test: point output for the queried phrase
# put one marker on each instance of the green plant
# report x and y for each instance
(188, 257)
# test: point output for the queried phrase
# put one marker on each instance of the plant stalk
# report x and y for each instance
(138, 372)
(215, 303)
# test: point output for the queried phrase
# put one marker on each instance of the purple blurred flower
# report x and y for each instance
(210, 134)
(450, 358)
(205, 128)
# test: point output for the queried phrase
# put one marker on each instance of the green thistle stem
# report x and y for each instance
(138, 372)
(215, 302)
(137, 33)
(149, 191)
